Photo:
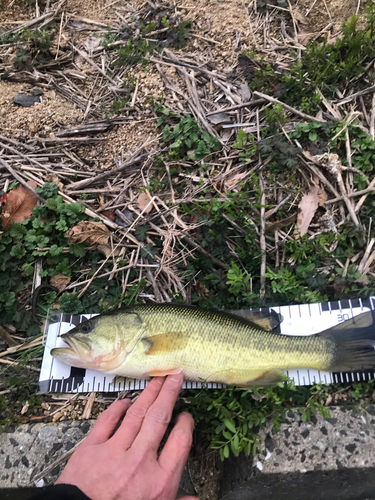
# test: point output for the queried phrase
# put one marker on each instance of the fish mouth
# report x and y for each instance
(78, 347)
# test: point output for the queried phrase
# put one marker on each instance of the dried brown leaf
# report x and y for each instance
(109, 214)
(18, 205)
(142, 202)
(60, 281)
(308, 205)
(233, 179)
(8, 339)
(323, 196)
(56, 180)
(89, 233)
(107, 250)
(298, 16)
(305, 36)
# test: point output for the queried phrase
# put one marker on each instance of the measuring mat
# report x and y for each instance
(305, 319)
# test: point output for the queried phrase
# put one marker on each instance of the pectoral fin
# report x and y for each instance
(267, 320)
(165, 342)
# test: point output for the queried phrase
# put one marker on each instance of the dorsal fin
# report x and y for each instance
(267, 320)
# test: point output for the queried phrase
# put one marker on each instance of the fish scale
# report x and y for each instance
(212, 346)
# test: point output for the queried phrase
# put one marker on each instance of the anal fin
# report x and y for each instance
(271, 377)
(164, 373)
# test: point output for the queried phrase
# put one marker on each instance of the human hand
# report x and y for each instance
(122, 464)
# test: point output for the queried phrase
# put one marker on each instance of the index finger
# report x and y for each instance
(159, 415)
(133, 420)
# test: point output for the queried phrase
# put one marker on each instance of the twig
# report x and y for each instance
(26, 345)
(204, 252)
(334, 112)
(87, 411)
(60, 32)
(354, 194)
(17, 143)
(262, 241)
(321, 177)
(369, 261)
(109, 173)
(357, 94)
(289, 108)
(237, 106)
(372, 118)
(363, 199)
(362, 264)
(21, 180)
(16, 363)
(94, 65)
(195, 35)
(364, 110)
(277, 208)
(178, 63)
(328, 11)
(132, 104)
(333, 164)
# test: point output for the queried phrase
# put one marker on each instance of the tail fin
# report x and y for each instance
(354, 342)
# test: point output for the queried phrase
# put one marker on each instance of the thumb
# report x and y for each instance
(187, 498)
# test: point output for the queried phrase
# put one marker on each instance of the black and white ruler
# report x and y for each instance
(305, 319)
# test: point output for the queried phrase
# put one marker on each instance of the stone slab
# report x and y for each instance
(26, 450)
(328, 459)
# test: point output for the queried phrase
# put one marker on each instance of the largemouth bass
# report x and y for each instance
(212, 346)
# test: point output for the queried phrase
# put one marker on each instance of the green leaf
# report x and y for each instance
(70, 303)
(230, 425)
(313, 136)
(74, 209)
(61, 225)
(17, 252)
(226, 451)
(234, 444)
(7, 298)
(56, 250)
(148, 251)
(140, 232)
(28, 269)
(17, 230)
(247, 448)
(77, 250)
(55, 204)
(49, 190)
(227, 435)
(33, 330)
(64, 268)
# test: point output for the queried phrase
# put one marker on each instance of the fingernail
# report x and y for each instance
(176, 378)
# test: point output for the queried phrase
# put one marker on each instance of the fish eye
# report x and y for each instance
(86, 327)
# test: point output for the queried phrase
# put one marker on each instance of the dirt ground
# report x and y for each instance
(220, 24)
